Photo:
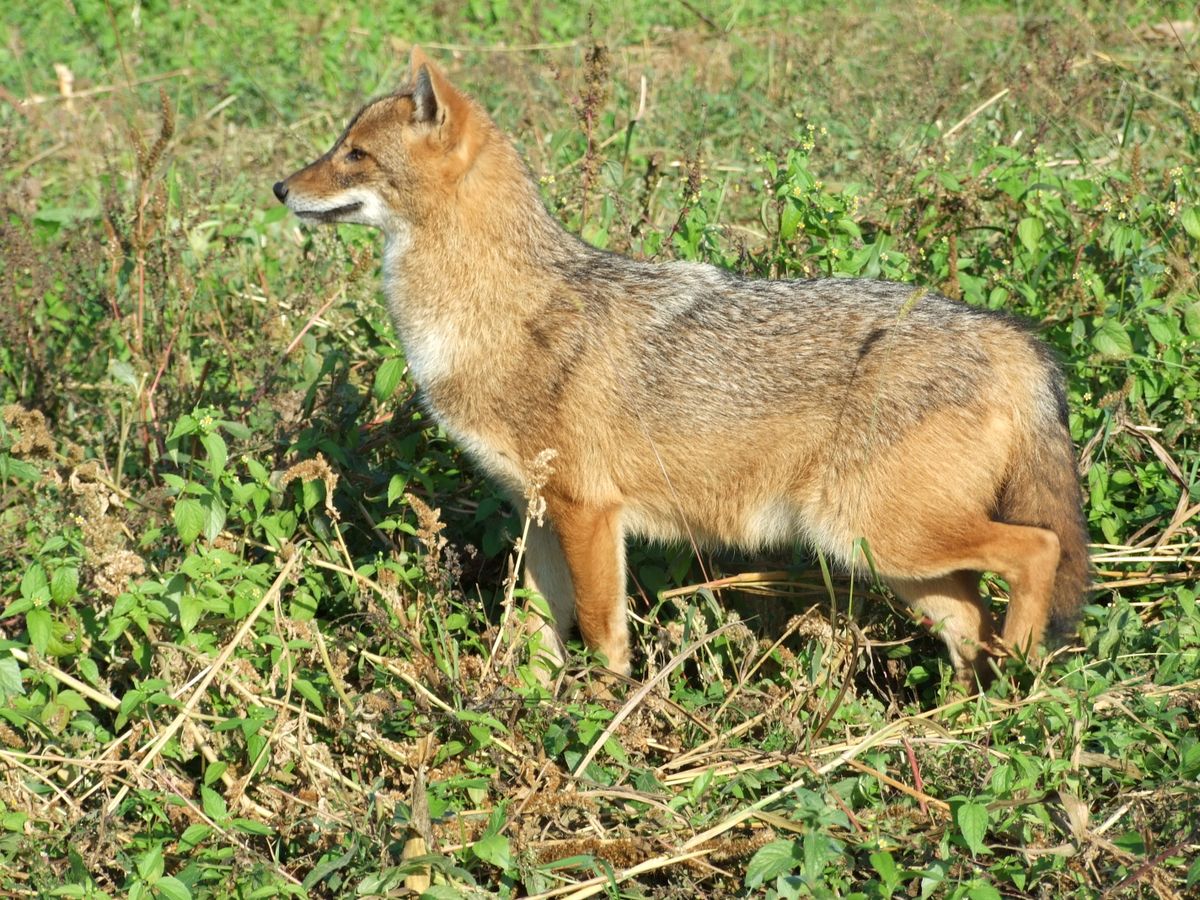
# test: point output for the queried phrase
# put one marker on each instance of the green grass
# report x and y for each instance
(253, 605)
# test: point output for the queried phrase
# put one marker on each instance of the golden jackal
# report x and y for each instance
(685, 402)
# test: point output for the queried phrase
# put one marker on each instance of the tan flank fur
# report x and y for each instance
(687, 403)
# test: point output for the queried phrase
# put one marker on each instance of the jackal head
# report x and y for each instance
(397, 159)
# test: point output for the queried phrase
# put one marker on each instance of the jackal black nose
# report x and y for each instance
(280, 191)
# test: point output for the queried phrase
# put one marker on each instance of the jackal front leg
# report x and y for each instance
(594, 548)
(546, 572)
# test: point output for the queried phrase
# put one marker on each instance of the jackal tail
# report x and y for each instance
(1043, 491)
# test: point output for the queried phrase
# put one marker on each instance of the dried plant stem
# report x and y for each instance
(431, 697)
(104, 699)
(151, 752)
(601, 883)
(742, 580)
(334, 678)
(510, 586)
(641, 693)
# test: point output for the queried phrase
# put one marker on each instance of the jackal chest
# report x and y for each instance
(473, 416)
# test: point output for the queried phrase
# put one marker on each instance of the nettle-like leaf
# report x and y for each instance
(772, 860)
(1112, 340)
(190, 518)
(972, 821)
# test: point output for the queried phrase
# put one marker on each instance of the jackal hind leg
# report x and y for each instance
(1025, 556)
(593, 545)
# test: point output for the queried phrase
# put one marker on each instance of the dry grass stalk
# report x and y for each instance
(155, 747)
(642, 692)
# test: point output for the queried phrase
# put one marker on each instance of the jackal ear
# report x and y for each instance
(439, 104)
(424, 96)
(433, 95)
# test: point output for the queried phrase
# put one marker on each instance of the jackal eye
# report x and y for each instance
(355, 155)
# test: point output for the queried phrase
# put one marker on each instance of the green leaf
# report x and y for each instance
(483, 737)
(949, 182)
(1123, 239)
(323, 870)
(185, 425)
(172, 888)
(150, 864)
(218, 453)
(1190, 220)
(88, 669)
(1191, 319)
(398, 483)
(214, 518)
(494, 849)
(983, 892)
(214, 804)
(257, 470)
(39, 624)
(34, 585)
(885, 865)
(191, 608)
(309, 692)
(1030, 231)
(972, 819)
(442, 892)
(387, 378)
(249, 826)
(1193, 875)
(1161, 329)
(73, 701)
(850, 227)
(65, 584)
(190, 517)
(771, 861)
(237, 430)
(789, 221)
(16, 608)
(1112, 340)
(214, 771)
(194, 835)
(10, 678)
(174, 482)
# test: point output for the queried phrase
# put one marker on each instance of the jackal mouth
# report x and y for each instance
(329, 215)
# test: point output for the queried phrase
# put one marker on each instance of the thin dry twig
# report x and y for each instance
(152, 750)
(641, 693)
(38, 99)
